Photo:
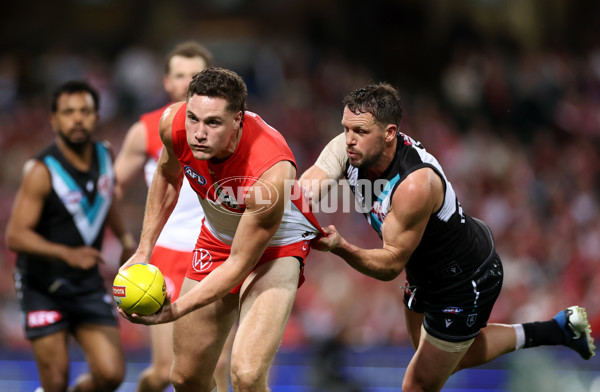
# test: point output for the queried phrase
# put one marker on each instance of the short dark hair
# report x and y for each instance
(188, 49)
(220, 83)
(381, 100)
(72, 87)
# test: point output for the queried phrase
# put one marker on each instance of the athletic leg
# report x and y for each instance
(266, 300)
(569, 327)
(430, 367)
(52, 359)
(157, 377)
(198, 339)
(104, 353)
(493, 341)
(224, 363)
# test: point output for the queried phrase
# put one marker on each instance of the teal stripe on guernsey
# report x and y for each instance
(388, 187)
(56, 167)
(384, 201)
(90, 210)
(375, 222)
(102, 157)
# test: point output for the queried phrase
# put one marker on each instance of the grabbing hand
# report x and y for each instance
(327, 242)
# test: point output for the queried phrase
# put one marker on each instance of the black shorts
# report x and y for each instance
(458, 314)
(46, 313)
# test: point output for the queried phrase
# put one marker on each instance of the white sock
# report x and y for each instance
(520, 336)
(214, 389)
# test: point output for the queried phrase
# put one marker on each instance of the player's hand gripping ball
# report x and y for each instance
(140, 289)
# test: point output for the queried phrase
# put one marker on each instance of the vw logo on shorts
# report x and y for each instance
(202, 260)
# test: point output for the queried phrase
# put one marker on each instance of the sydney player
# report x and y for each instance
(250, 254)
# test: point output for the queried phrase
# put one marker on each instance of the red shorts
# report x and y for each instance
(173, 265)
(211, 253)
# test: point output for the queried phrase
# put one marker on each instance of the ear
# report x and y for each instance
(238, 119)
(390, 133)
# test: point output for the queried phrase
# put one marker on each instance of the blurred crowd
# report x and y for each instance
(517, 133)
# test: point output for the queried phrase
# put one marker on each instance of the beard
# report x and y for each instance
(77, 144)
(368, 159)
(365, 162)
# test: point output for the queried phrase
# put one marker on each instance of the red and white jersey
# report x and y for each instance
(181, 230)
(222, 186)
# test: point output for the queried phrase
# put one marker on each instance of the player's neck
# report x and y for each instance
(80, 157)
(375, 170)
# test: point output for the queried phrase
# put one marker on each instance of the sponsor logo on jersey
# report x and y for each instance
(202, 260)
(104, 185)
(452, 310)
(119, 291)
(194, 176)
(448, 322)
(73, 197)
(42, 318)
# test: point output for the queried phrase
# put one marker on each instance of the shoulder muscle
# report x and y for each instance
(166, 124)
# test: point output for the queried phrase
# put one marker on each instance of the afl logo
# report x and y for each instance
(202, 260)
(233, 191)
(194, 176)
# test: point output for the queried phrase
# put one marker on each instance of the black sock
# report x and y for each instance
(543, 333)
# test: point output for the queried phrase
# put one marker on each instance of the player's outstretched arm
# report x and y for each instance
(27, 211)
(163, 192)
(416, 198)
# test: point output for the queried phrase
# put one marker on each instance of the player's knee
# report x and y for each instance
(248, 377)
(159, 376)
(175, 378)
(182, 381)
(412, 384)
(109, 380)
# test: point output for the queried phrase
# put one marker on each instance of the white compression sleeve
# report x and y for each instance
(333, 158)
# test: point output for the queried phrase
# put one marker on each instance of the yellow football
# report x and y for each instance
(140, 289)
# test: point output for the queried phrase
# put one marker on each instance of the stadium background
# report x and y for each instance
(506, 94)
